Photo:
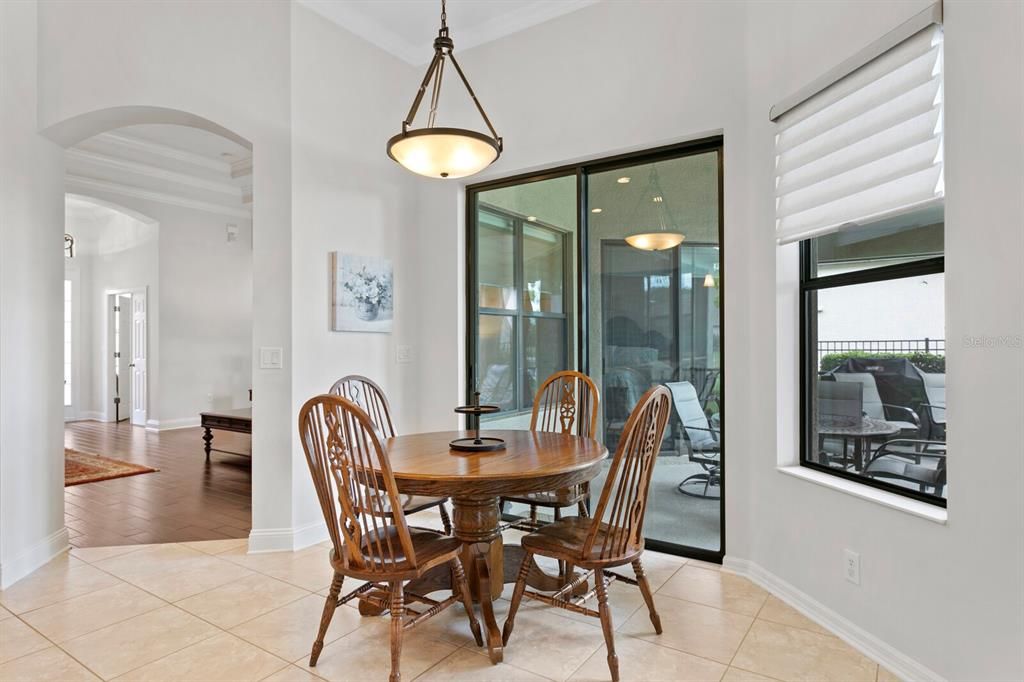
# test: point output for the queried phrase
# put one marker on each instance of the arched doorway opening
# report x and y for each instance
(183, 293)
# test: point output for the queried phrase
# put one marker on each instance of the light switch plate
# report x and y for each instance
(404, 354)
(271, 357)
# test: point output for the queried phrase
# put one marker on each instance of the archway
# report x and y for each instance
(123, 125)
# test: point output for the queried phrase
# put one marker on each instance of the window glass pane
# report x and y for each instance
(526, 266)
(497, 360)
(878, 385)
(544, 343)
(496, 261)
(902, 239)
(542, 270)
(655, 318)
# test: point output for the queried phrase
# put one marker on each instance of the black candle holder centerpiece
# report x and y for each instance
(476, 442)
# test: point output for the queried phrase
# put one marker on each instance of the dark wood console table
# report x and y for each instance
(239, 421)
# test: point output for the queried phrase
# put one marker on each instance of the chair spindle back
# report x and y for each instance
(566, 402)
(623, 502)
(370, 397)
(355, 485)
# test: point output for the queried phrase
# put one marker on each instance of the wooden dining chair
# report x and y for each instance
(354, 484)
(368, 395)
(567, 402)
(614, 537)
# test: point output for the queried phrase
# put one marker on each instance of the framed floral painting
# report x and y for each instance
(362, 293)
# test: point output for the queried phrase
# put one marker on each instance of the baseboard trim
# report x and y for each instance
(87, 417)
(32, 558)
(895, 661)
(155, 425)
(286, 539)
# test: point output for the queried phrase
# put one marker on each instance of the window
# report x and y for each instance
(859, 184)
(874, 357)
(67, 343)
(523, 262)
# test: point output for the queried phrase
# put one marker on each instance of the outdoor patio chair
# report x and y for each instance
(912, 460)
(874, 408)
(934, 411)
(702, 441)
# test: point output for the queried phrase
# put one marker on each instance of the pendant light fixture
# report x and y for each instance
(667, 235)
(439, 152)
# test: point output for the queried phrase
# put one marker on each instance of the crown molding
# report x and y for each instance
(155, 172)
(162, 150)
(354, 19)
(82, 185)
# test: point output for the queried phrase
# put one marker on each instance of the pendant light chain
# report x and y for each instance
(444, 18)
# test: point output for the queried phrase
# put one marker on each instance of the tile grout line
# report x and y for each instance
(55, 644)
(749, 628)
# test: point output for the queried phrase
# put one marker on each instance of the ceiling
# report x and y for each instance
(406, 28)
(168, 164)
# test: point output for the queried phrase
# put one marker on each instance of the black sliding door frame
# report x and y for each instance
(582, 171)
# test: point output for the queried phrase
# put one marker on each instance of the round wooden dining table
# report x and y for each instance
(532, 461)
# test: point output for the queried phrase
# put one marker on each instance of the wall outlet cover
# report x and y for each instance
(851, 566)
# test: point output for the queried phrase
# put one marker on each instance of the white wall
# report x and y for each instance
(349, 197)
(31, 312)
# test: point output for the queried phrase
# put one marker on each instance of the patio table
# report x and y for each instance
(861, 434)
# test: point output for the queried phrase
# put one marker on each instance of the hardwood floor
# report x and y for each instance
(187, 499)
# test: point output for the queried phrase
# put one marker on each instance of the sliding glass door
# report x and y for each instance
(543, 248)
(656, 319)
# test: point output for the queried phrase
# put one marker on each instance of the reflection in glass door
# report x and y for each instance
(557, 279)
(655, 318)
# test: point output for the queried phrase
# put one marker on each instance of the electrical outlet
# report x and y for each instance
(851, 566)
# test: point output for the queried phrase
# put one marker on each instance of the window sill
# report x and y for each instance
(882, 497)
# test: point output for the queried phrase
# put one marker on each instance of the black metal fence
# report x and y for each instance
(926, 345)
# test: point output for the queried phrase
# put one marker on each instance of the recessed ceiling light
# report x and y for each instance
(658, 199)
(623, 180)
(596, 210)
(531, 218)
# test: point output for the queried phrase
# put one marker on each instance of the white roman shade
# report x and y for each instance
(865, 148)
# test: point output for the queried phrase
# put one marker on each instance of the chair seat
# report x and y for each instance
(904, 426)
(563, 497)
(567, 537)
(410, 504)
(888, 467)
(414, 503)
(431, 548)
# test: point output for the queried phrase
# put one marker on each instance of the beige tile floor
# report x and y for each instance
(209, 611)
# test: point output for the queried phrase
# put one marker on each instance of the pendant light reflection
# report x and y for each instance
(439, 152)
(709, 280)
(667, 235)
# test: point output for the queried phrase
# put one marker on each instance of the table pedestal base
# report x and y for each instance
(489, 564)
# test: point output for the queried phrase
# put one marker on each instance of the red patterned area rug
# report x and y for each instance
(80, 467)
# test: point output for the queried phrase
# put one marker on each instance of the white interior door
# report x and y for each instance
(124, 359)
(138, 364)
